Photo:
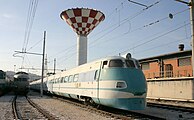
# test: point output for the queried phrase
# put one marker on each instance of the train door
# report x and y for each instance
(50, 85)
(102, 65)
(96, 79)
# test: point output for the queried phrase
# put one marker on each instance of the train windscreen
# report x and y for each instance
(116, 63)
(130, 63)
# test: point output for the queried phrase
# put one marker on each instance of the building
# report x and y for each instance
(169, 76)
(177, 64)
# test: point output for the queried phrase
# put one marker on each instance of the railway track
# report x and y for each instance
(169, 112)
(153, 111)
(24, 108)
(110, 112)
(172, 107)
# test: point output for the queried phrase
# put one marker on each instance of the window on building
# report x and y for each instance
(184, 61)
(145, 66)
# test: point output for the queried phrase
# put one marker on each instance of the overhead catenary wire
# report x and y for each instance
(37, 43)
(155, 38)
(30, 19)
(162, 45)
(143, 27)
(29, 22)
(122, 22)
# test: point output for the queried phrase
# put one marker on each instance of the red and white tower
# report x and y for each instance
(82, 21)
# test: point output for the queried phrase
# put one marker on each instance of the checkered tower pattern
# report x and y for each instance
(82, 20)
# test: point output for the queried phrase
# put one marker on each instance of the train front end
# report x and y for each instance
(122, 84)
(21, 83)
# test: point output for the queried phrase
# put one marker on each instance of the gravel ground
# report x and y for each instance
(63, 110)
(6, 107)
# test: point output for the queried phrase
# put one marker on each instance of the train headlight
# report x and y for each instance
(121, 85)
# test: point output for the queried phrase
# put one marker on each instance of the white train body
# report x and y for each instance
(111, 82)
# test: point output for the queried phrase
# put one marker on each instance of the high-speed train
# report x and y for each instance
(21, 83)
(115, 81)
(4, 83)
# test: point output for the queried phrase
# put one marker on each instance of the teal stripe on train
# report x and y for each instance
(134, 78)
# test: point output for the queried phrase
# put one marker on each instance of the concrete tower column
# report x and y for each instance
(81, 49)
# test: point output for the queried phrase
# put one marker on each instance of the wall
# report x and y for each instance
(171, 88)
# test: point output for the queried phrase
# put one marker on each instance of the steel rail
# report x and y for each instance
(172, 107)
(42, 111)
(14, 108)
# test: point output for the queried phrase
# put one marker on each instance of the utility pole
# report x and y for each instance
(54, 65)
(43, 55)
(192, 31)
(191, 5)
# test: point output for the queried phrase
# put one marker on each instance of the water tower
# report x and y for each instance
(82, 21)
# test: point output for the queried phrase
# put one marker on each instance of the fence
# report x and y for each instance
(169, 74)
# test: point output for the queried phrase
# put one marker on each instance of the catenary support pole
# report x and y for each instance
(43, 55)
(192, 31)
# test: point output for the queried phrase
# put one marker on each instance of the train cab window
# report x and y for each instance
(137, 63)
(70, 78)
(116, 63)
(75, 78)
(130, 63)
(104, 63)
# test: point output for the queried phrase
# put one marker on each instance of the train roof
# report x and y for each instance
(84, 67)
(21, 73)
(1, 71)
(88, 65)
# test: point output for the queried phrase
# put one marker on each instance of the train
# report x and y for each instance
(115, 81)
(4, 83)
(21, 83)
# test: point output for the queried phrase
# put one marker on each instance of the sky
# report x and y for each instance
(127, 28)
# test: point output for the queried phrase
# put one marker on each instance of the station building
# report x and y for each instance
(169, 76)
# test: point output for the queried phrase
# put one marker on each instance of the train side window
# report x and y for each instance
(75, 78)
(65, 79)
(104, 63)
(70, 78)
(61, 80)
(116, 63)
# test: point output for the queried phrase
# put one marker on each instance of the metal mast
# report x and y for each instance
(43, 55)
